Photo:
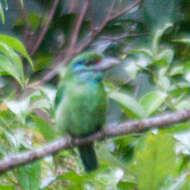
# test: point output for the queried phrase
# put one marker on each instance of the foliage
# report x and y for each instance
(151, 40)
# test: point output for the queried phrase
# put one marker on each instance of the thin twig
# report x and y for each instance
(57, 64)
(125, 9)
(106, 20)
(95, 31)
(72, 4)
(121, 36)
(75, 32)
(23, 12)
(45, 27)
(59, 61)
(66, 142)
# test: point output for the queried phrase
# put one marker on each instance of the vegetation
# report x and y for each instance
(152, 40)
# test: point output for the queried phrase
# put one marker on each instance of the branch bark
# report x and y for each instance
(125, 9)
(66, 142)
(85, 42)
(108, 17)
(75, 32)
(26, 32)
(59, 60)
(44, 29)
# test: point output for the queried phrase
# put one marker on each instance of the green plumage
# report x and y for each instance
(82, 109)
(81, 103)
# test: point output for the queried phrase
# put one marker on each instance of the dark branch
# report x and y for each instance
(66, 142)
(124, 10)
(84, 43)
(26, 32)
(95, 31)
(69, 51)
(121, 36)
(75, 32)
(44, 29)
(108, 17)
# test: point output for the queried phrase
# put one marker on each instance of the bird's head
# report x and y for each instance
(91, 62)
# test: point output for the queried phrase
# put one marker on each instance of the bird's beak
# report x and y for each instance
(106, 63)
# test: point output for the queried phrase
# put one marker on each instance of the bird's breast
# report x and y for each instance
(83, 108)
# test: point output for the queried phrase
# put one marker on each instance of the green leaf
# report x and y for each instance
(175, 184)
(128, 103)
(109, 178)
(10, 53)
(166, 55)
(163, 80)
(28, 176)
(186, 67)
(152, 101)
(110, 160)
(146, 51)
(6, 4)
(176, 70)
(7, 67)
(184, 39)
(186, 70)
(22, 3)
(2, 14)
(136, 63)
(184, 104)
(7, 187)
(157, 34)
(185, 181)
(123, 185)
(46, 130)
(155, 161)
(16, 45)
(34, 20)
(132, 69)
(177, 128)
(42, 60)
(75, 180)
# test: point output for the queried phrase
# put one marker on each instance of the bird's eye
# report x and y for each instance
(88, 63)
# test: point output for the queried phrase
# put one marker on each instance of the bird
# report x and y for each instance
(81, 101)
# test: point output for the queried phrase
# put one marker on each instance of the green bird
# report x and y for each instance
(81, 101)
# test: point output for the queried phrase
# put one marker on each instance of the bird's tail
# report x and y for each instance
(88, 157)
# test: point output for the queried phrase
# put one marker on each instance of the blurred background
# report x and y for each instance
(151, 38)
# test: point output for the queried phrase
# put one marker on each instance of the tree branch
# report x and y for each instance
(66, 142)
(82, 45)
(106, 20)
(121, 36)
(26, 32)
(75, 32)
(95, 31)
(125, 9)
(44, 29)
(69, 51)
